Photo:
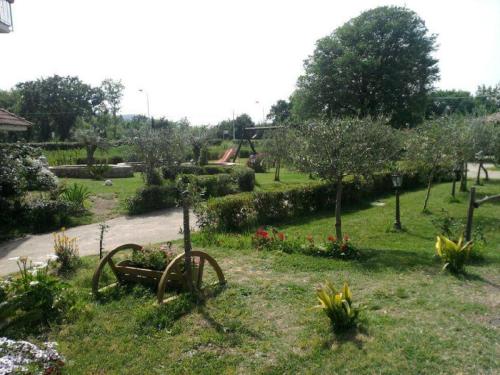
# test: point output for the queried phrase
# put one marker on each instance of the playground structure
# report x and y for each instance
(473, 204)
(247, 137)
(226, 157)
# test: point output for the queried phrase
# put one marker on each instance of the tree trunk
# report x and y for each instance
(90, 154)
(463, 179)
(338, 201)
(486, 176)
(478, 178)
(429, 185)
(277, 171)
(187, 243)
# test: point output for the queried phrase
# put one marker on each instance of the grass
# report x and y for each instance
(265, 181)
(416, 319)
(108, 201)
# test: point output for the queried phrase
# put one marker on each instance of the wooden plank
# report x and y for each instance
(139, 271)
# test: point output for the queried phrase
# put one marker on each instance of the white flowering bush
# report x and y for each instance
(25, 357)
(34, 297)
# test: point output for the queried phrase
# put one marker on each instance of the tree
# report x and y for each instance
(91, 141)
(112, 95)
(158, 148)
(280, 112)
(336, 148)
(240, 123)
(447, 102)
(55, 103)
(488, 98)
(379, 63)
(428, 149)
(277, 148)
(198, 139)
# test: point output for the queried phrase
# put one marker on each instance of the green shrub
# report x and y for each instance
(454, 255)
(257, 163)
(35, 298)
(338, 306)
(214, 185)
(229, 213)
(110, 160)
(43, 214)
(152, 257)
(97, 171)
(150, 198)
(76, 195)
(245, 178)
(243, 211)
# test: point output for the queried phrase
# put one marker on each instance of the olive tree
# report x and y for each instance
(277, 148)
(336, 148)
(157, 148)
(91, 140)
(429, 149)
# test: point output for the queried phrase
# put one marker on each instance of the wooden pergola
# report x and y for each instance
(13, 123)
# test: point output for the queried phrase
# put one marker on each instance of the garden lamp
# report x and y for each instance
(397, 182)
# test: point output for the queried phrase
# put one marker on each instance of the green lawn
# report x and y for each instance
(108, 201)
(416, 319)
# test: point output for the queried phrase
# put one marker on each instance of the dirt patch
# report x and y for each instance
(104, 206)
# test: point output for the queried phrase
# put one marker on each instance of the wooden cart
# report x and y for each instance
(170, 278)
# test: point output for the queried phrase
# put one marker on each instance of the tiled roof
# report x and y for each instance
(12, 121)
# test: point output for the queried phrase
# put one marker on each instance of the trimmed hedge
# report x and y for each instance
(244, 211)
(150, 198)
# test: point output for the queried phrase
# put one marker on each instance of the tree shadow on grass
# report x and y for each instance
(380, 260)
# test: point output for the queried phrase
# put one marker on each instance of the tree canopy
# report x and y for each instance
(379, 63)
(54, 104)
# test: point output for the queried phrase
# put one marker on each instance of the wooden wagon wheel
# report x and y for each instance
(109, 261)
(174, 272)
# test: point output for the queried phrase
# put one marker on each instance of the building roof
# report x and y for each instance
(12, 122)
(495, 117)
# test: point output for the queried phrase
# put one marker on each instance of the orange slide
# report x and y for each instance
(224, 160)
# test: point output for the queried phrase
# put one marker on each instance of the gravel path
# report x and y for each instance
(495, 175)
(143, 229)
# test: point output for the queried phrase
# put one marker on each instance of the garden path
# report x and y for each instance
(143, 229)
(495, 175)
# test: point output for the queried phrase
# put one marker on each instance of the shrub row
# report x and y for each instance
(243, 177)
(247, 210)
(150, 198)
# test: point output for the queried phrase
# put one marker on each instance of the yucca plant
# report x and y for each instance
(76, 194)
(454, 255)
(338, 306)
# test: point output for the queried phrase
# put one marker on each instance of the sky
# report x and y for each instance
(206, 60)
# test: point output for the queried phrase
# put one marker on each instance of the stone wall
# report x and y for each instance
(82, 171)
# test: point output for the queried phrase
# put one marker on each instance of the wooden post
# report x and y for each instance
(463, 178)
(470, 214)
(187, 241)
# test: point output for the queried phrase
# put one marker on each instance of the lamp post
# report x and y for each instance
(457, 169)
(397, 182)
(147, 99)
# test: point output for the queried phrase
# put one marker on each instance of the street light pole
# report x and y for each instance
(397, 181)
(147, 103)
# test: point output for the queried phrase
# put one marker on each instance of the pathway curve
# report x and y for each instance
(495, 175)
(143, 229)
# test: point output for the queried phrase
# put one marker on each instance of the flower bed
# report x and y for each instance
(272, 239)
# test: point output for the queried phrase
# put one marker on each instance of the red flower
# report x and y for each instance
(310, 238)
(343, 247)
(281, 236)
(346, 238)
(262, 233)
(332, 238)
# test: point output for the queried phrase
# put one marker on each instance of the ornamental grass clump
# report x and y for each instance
(66, 250)
(338, 306)
(454, 255)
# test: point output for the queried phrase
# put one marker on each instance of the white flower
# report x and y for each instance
(39, 264)
(33, 283)
(15, 259)
(52, 257)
